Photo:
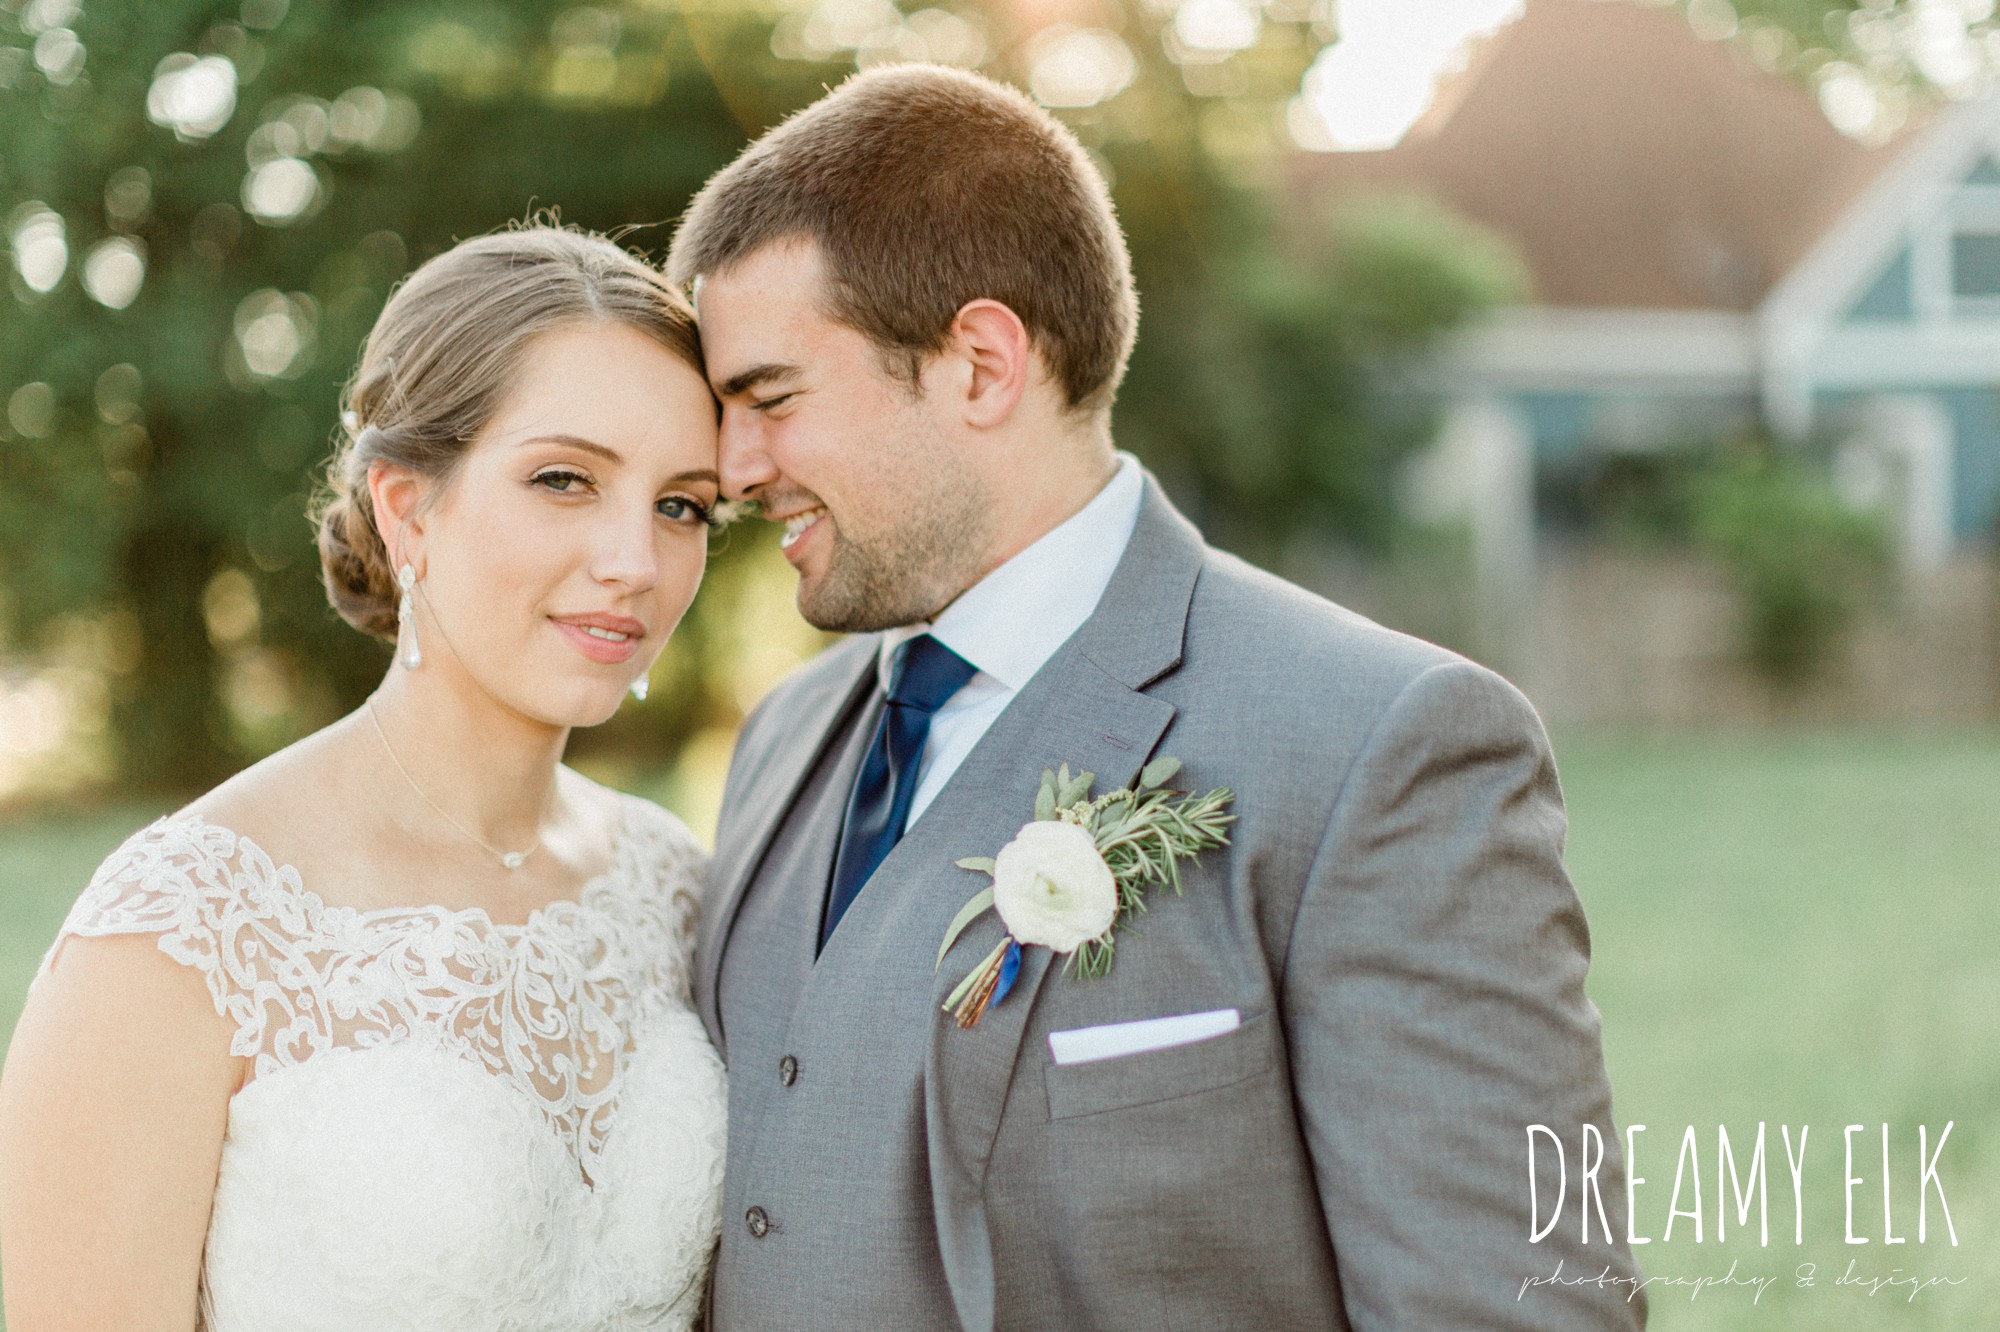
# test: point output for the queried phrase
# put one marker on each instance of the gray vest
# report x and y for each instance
(795, 1086)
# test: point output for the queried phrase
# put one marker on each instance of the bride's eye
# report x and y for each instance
(562, 482)
(681, 509)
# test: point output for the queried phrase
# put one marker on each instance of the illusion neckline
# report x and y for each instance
(287, 875)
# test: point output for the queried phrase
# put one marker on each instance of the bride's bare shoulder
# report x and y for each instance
(615, 815)
(595, 819)
(286, 795)
(165, 876)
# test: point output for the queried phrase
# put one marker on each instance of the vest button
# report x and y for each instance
(758, 1223)
(788, 1070)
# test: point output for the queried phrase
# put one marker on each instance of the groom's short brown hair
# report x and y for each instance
(926, 188)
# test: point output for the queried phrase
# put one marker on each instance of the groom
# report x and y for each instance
(916, 307)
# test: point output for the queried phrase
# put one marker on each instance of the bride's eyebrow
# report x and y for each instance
(577, 442)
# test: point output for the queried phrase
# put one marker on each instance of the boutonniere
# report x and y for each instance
(1079, 869)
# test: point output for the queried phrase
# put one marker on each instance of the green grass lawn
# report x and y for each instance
(1801, 929)
(1788, 928)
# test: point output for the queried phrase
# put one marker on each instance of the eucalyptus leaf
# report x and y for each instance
(1045, 799)
(1076, 789)
(971, 911)
(984, 864)
(1158, 772)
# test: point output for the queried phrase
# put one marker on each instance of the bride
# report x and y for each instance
(392, 1030)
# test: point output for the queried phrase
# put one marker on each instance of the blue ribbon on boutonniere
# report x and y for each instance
(1010, 968)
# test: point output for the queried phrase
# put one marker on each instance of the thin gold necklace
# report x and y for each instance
(509, 859)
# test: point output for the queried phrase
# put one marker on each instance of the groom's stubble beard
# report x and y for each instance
(916, 565)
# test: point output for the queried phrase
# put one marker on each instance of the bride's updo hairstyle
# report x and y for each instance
(437, 366)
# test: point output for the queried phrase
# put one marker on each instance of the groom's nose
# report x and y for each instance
(742, 461)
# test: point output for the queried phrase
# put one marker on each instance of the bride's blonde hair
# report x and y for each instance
(438, 364)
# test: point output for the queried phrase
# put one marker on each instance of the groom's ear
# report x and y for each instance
(995, 359)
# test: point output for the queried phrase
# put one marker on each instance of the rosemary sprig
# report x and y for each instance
(1143, 835)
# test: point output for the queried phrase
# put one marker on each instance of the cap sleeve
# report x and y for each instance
(212, 902)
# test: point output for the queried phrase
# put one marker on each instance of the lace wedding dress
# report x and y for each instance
(451, 1123)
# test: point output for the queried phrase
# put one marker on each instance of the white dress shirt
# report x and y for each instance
(1011, 622)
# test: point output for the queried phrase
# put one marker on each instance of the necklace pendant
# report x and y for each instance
(513, 859)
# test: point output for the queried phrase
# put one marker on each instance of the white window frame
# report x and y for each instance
(1974, 210)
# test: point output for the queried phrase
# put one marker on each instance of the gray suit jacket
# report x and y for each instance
(1392, 921)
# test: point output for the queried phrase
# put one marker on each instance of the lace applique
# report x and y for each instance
(549, 1005)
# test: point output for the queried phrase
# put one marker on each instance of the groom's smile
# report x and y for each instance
(798, 525)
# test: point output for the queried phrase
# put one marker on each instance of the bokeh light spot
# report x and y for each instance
(59, 55)
(1079, 67)
(128, 196)
(114, 270)
(264, 14)
(31, 410)
(1848, 98)
(275, 333)
(118, 394)
(356, 117)
(1712, 20)
(40, 244)
(1218, 26)
(192, 96)
(39, 16)
(280, 191)
(946, 39)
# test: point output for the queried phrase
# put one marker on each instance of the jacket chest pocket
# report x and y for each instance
(1152, 1076)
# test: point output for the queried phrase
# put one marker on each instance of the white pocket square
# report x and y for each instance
(1085, 1044)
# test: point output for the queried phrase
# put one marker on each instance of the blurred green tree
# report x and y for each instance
(1875, 64)
(207, 203)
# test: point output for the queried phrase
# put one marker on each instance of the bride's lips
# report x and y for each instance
(601, 637)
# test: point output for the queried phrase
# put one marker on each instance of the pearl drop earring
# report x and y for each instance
(407, 649)
(640, 687)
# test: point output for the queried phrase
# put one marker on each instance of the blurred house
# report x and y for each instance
(1707, 256)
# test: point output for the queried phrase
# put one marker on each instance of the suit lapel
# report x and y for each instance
(767, 797)
(1084, 708)
(1097, 724)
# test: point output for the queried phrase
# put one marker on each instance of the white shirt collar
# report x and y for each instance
(1011, 622)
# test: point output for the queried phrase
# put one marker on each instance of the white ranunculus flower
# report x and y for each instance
(1051, 887)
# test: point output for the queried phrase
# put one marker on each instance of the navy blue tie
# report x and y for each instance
(925, 674)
